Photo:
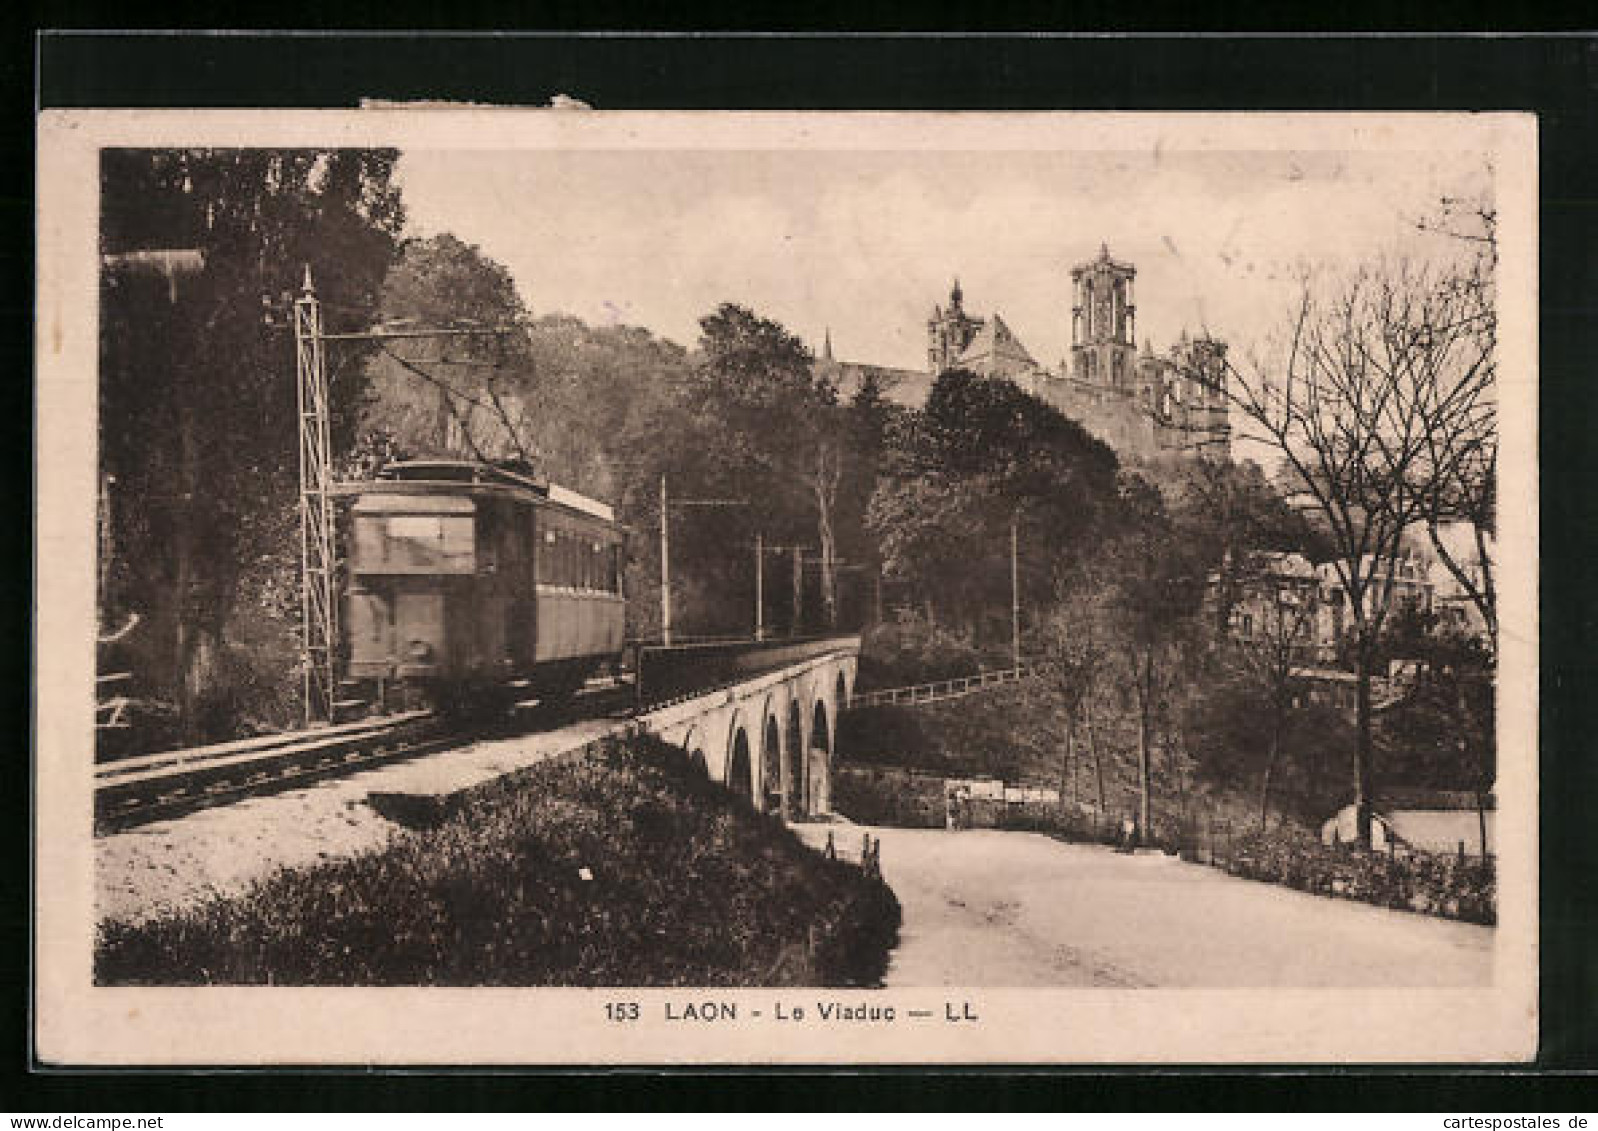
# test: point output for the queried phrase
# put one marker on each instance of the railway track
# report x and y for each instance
(151, 787)
(135, 791)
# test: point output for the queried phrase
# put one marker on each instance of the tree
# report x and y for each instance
(869, 417)
(1463, 438)
(452, 396)
(1076, 645)
(1236, 525)
(776, 430)
(197, 404)
(1358, 399)
(1440, 733)
(1267, 658)
(1157, 582)
(955, 475)
(1233, 741)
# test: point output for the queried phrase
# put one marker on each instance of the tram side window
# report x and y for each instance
(558, 562)
(575, 559)
(549, 556)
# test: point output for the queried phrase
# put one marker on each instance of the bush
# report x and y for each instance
(628, 869)
(875, 795)
(909, 651)
(1413, 881)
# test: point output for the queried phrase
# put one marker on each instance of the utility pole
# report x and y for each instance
(798, 566)
(666, 504)
(798, 589)
(1015, 590)
(760, 586)
(665, 566)
(318, 611)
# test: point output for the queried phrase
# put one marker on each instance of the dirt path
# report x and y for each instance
(1019, 909)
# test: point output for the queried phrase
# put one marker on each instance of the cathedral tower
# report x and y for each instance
(949, 332)
(1201, 362)
(1103, 323)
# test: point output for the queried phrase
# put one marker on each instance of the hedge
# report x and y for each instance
(1432, 884)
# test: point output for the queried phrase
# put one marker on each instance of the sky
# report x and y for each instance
(864, 243)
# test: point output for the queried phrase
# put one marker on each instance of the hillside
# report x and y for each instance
(1017, 733)
(626, 870)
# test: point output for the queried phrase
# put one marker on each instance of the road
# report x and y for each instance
(988, 908)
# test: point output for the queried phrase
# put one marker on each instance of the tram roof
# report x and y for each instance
(432, 476)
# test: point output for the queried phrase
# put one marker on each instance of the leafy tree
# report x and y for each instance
(953, 478)
(197, 388)
(1441, 732)
(866, 423)
(1232, 741)
(1235, 522)
(756, 423)
(451, 395)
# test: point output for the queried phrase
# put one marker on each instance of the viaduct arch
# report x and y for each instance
(771, 739)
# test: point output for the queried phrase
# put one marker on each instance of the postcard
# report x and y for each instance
(569, 587)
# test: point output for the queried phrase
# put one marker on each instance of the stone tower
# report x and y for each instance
(1201, 367)
(949, 332)
(1103, 323)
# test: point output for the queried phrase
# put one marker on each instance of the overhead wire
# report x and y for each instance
(497, 407)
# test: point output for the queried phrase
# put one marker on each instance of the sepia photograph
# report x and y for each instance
(786, 588)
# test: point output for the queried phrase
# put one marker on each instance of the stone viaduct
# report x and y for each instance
(770, 738)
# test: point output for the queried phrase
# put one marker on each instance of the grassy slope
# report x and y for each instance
(1016, 732)
(689, 887)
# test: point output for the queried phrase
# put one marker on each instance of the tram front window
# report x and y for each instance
(414, 543)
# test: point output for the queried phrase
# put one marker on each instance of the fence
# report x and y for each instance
(905, 798)
(942, 689)
(1450, 884)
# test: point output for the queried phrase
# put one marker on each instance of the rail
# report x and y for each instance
(942, 689)
(134, 791)
(137, 790)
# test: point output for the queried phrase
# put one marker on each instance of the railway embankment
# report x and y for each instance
(626, 868)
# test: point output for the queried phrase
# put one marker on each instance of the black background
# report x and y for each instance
(1555, 76)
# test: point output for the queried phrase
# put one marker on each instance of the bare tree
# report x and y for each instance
(1075, 644)
(1368, 401)
(1273, 647)
(1464, 438)
(824, 475)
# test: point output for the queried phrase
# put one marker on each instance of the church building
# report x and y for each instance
(1141, 404)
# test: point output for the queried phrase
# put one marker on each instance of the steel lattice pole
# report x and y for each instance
(318, 611)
